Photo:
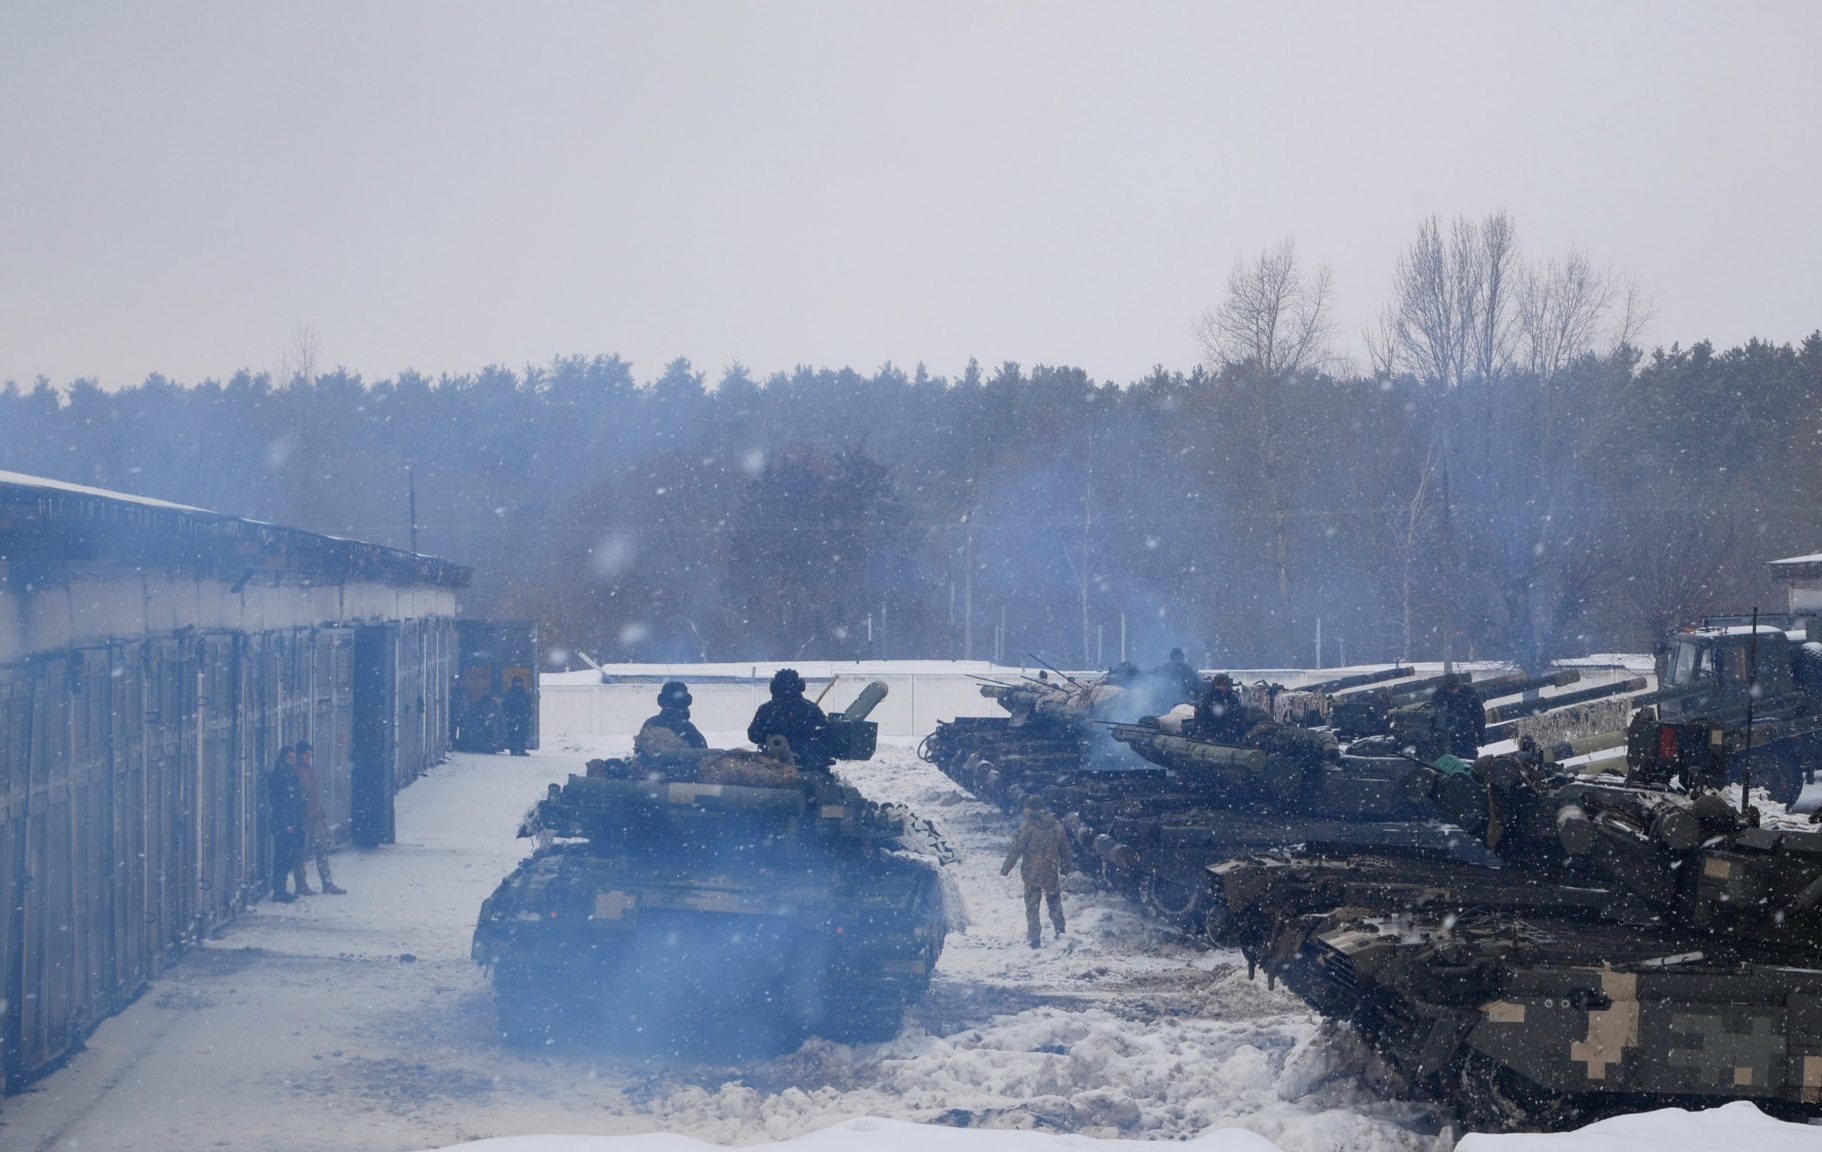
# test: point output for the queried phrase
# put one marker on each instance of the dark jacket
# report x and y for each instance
(1221, 718)
(1459, 720)
(285, 797)
(517, 707)
(676, 720)
(1185, 682)
(799, 721)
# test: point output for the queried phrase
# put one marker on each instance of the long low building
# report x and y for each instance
(153, 660)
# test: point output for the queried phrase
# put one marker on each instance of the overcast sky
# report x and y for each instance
(448, 185)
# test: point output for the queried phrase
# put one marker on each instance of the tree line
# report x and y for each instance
(1509, 476)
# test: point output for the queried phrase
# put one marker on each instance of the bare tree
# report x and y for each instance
(297, 363)
(1571, 309)
(1672, 560)
(1451, 311)
(1272, 327)
(1272, 317)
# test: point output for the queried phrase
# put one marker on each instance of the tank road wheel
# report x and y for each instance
(1178, 902)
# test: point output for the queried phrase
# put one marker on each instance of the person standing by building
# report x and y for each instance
(317, 840)
(1041, 850)
(516, 708)
(288, 813)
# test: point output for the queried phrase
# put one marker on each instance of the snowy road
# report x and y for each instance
(359, 1022)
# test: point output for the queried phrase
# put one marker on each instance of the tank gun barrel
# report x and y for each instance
(1359, 680)
(1161, 747)
(1507, 712)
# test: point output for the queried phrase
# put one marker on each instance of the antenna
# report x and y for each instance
(1752, 691)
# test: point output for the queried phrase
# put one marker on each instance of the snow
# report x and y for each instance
(1728, 1128)
(21, 480)
(877, 1135)
(359, 1022)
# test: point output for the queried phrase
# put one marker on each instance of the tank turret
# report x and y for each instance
(718, 893)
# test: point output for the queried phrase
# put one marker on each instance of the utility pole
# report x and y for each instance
(968, 587)
(411, 478)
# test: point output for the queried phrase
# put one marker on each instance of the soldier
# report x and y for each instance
(1041, 850)
(285, 799)
(1458, 721)
(670, 730)
(1183, 683)
(316, 827)
(516, 709)
(1221, 717)
(798, 720)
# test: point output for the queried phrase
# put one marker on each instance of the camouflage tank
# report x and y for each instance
(1049, 732)
(1638, 948)
(721, 896)
(1057, 729)
(1155, 833)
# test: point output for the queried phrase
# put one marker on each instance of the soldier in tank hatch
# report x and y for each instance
(1184, 683)
(1041, 850)
(671, 729)
(1458, 720)
(1221, 717)
(797, 719)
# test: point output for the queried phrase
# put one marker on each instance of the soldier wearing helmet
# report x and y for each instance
(1221, 717)
(671, 730)
(798, 720)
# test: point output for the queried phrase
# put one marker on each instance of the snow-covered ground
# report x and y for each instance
(358, 1022)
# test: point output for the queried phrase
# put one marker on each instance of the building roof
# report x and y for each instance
(44, 521)
(1793, 561)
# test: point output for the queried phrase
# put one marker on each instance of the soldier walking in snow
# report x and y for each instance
(1041, 849)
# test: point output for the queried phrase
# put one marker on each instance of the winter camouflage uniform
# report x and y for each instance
(1041, 850)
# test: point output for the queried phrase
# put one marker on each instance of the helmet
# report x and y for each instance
(786, 682)
(1176, 655)
(1222, 680)
(674, 694)
(1035, 803)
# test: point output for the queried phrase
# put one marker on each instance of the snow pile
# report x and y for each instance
(876, 1135)
(1725, 1129)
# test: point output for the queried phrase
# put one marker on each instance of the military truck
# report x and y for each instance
(1706, 676)
(729, 897)
(1638, 948)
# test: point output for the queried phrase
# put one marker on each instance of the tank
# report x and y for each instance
(1154, 834)
(721, 898)
(1050, 731)
(1635, 948)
